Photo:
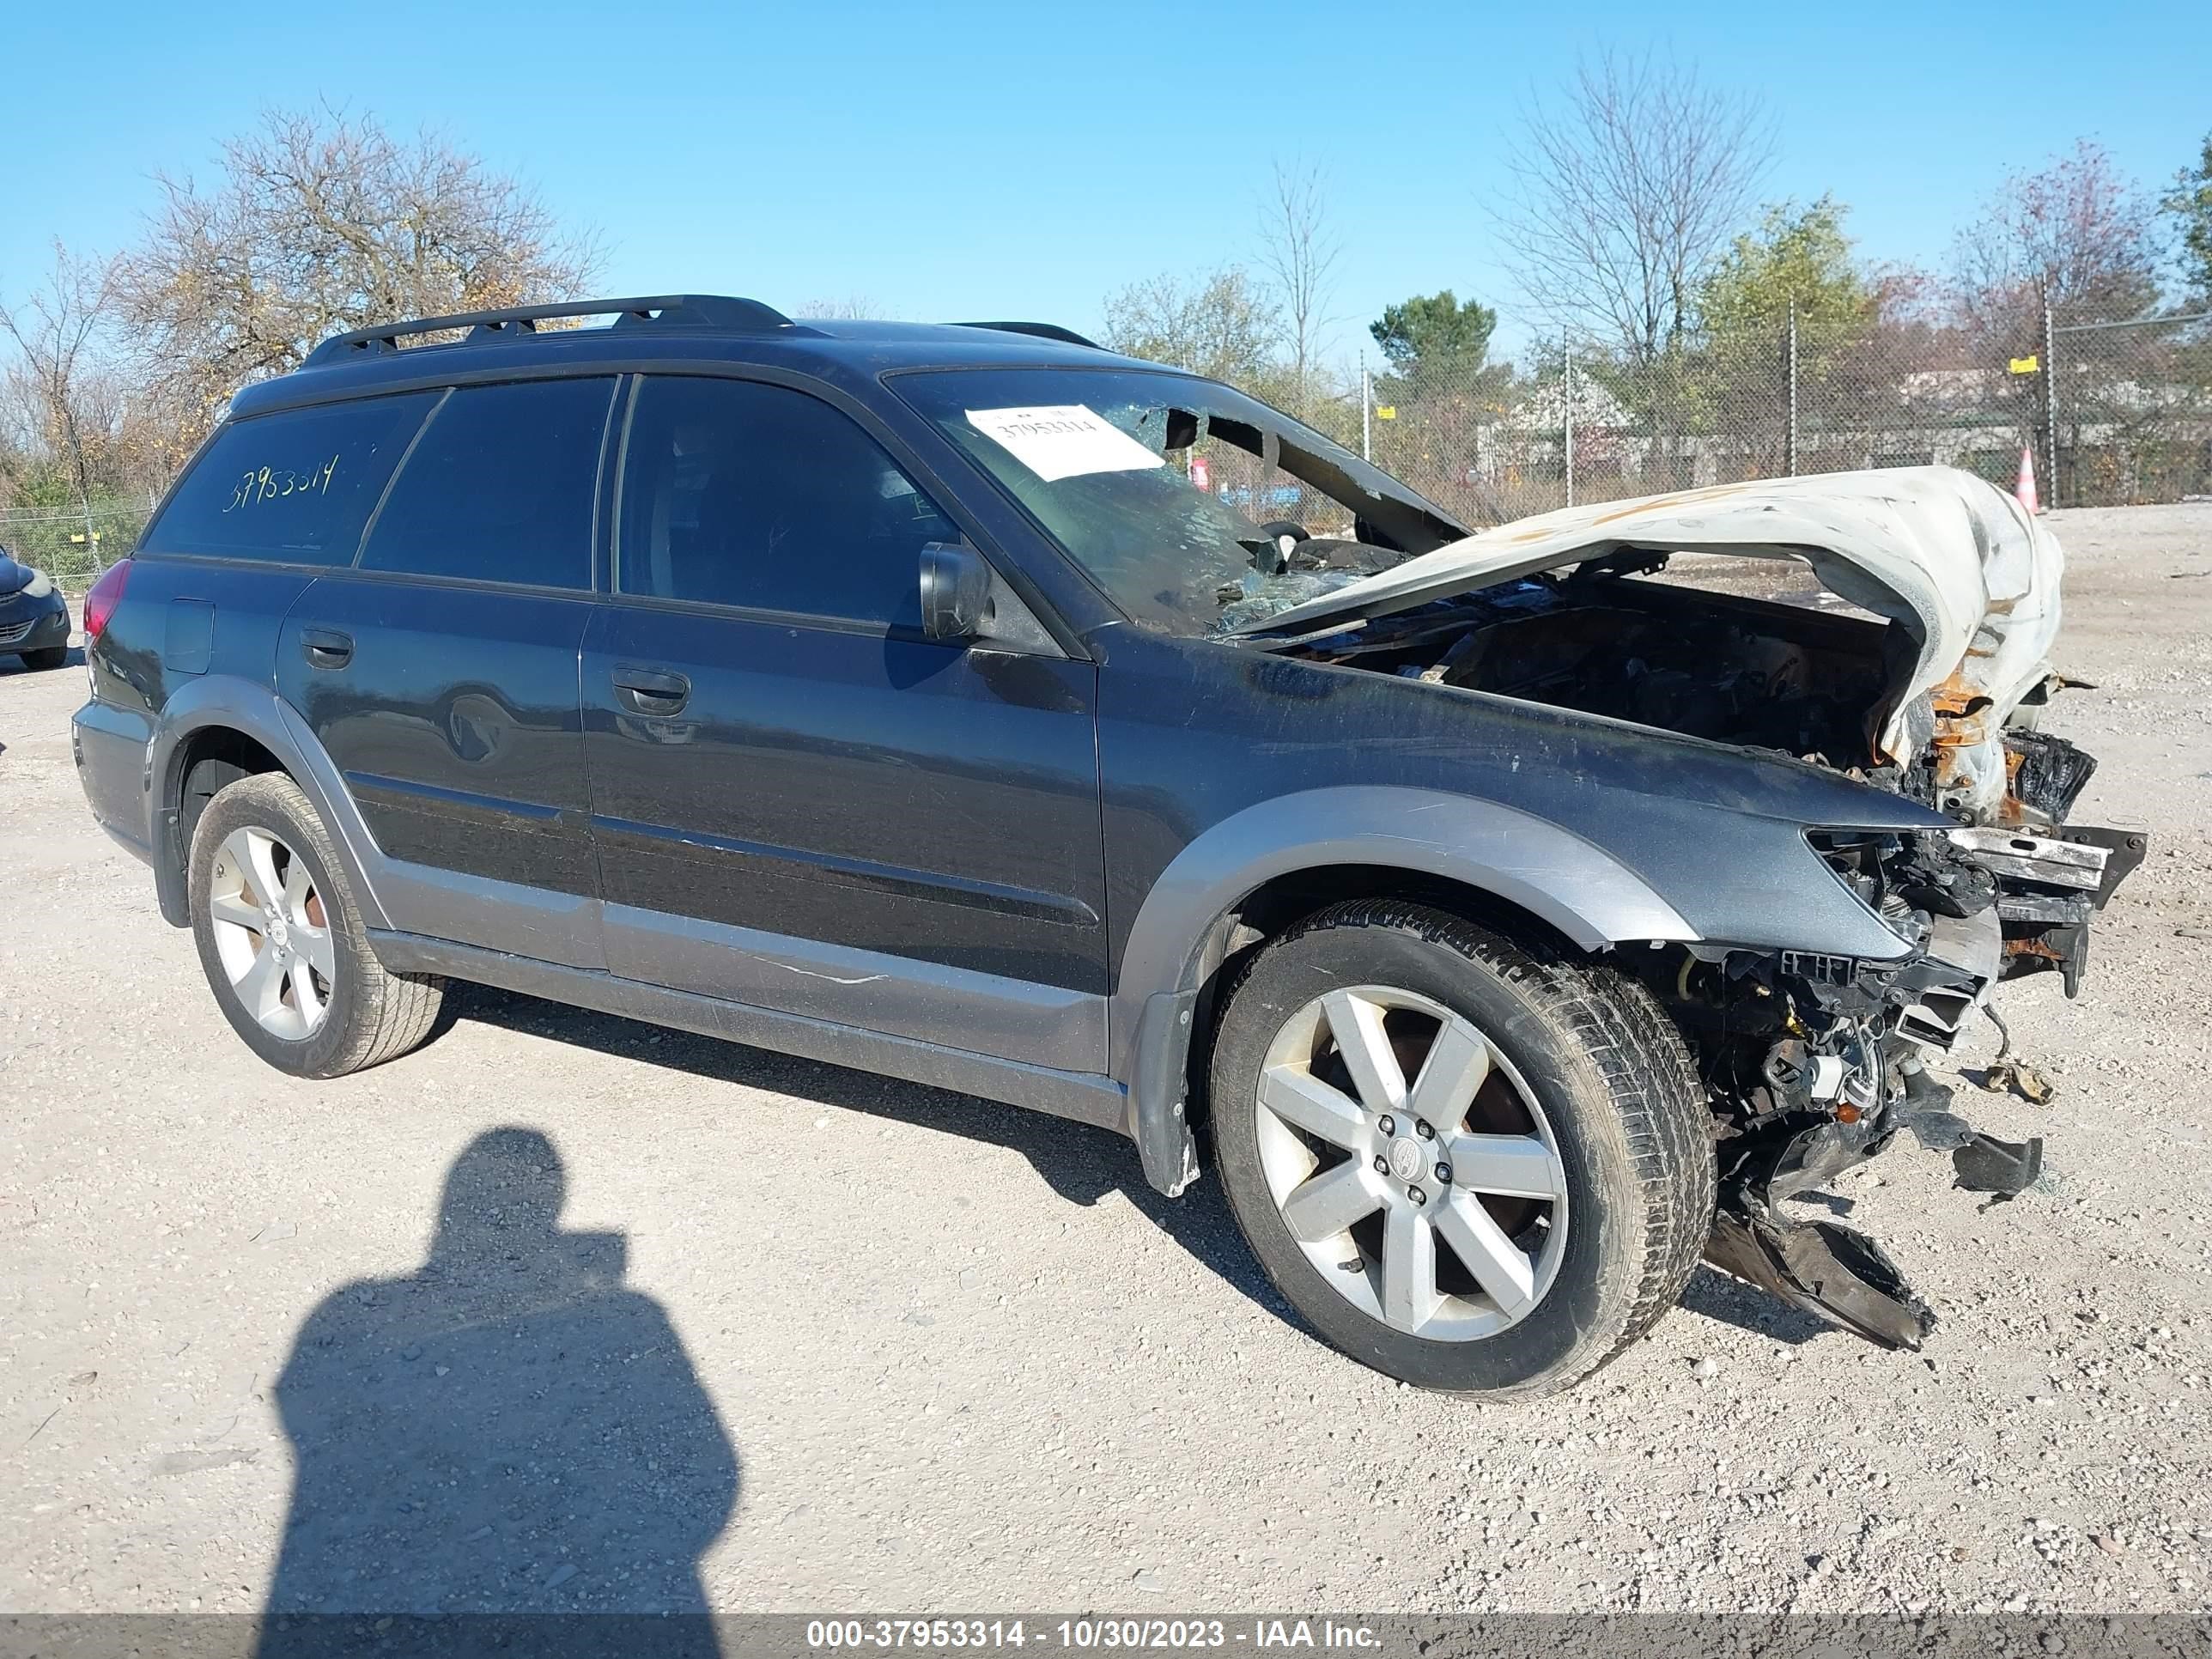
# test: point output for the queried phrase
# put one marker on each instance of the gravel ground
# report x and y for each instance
(928, 1352)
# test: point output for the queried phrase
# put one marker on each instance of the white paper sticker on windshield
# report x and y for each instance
(1062, 441)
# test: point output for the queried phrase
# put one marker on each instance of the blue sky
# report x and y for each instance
(954, 160)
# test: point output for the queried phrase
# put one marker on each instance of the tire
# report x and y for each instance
(1582, 1103)
(366, 1015)
(46, 657)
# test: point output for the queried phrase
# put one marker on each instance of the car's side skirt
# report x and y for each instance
(901, 996)
(1085, 1097)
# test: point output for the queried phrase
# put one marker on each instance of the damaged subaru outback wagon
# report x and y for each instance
(1511, 924)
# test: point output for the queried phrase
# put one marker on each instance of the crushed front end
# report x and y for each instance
(1816, 1063)
(1928, 681)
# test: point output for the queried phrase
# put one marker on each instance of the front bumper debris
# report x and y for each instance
(1817, 1064)
(1827, 1269)
(2006, 1168)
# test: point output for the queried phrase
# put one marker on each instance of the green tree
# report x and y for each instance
(1435, 339)
(2189, 204)
(1440, 389)
(1795, 256)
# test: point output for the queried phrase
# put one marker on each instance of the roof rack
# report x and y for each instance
(1042, 330)
(715, 311)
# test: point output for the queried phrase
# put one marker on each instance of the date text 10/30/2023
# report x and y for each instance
(1263, 1635)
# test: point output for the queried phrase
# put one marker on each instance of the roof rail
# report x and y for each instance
(1042, 330)
(715, 311)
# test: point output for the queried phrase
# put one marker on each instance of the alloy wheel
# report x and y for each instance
(1412, 1164)
(272, 933)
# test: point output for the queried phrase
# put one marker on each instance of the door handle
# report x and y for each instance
(651, 690)
(326, 648)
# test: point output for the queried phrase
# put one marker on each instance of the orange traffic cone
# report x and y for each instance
(2024, 491)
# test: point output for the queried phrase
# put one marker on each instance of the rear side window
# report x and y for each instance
(500, 487)
(294, 487)
(739, 494)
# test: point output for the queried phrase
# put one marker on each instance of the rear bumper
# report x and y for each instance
(110, 746)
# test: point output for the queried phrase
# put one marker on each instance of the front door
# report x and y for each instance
(439, 674)
(799, 802)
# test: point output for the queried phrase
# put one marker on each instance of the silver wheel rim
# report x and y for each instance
(1438, 1205)
(273, 933)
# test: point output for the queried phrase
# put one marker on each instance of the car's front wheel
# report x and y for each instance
(46, 657)
(283, 942)
(1474, 1165)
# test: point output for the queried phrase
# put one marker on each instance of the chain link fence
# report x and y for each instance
(73, 544)
(2113, 414)
(2131, 414)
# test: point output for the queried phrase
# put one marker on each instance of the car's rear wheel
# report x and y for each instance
(281, 940)
(1476, 1166)
(49, 656)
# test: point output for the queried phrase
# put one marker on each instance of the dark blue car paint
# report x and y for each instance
(453, 722)
(29, 621)
(998, 871)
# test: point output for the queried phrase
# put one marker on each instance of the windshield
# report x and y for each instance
(1196, 509)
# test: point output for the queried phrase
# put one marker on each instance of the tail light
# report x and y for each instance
(99, 604)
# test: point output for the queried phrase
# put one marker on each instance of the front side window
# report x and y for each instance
(1194, 509)
(500, 487)
(741, 494)
(294, 487)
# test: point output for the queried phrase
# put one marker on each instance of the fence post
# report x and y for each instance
(1567, 414)
(91, 536)
(2049, 398)
(1366, 417)
(1791, 442)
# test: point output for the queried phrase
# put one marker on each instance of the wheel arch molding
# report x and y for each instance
(220, 703)
(1570, 885)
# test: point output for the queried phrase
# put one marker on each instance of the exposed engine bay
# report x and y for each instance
(1932, 691)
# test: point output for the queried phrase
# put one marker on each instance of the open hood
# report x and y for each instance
(1959, 565)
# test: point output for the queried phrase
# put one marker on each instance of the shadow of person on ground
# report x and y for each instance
(506, 1431)
(1082, 1163)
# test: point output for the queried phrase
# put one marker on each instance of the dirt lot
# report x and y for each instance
(948, 1355)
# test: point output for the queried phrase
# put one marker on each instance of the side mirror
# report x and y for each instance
(956, 591)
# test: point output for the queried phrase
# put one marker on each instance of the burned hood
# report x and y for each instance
(1957, 564)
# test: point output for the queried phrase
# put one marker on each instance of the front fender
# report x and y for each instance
(1587, 894)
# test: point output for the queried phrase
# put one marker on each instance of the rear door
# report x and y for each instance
(439, 672)
(799, 802)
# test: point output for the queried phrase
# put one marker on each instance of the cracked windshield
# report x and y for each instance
(1197, 510)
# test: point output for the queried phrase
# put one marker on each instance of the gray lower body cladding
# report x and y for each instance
(1086, 1097)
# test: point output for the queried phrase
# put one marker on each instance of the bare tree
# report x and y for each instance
(852, 308)
(57, 385)
(2080, 230)
(2080, 236)
(320, 222)
(1298, 250)
(1625, 194)
(1221, 324)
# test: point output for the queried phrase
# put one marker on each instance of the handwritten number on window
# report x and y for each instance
(273, 483)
